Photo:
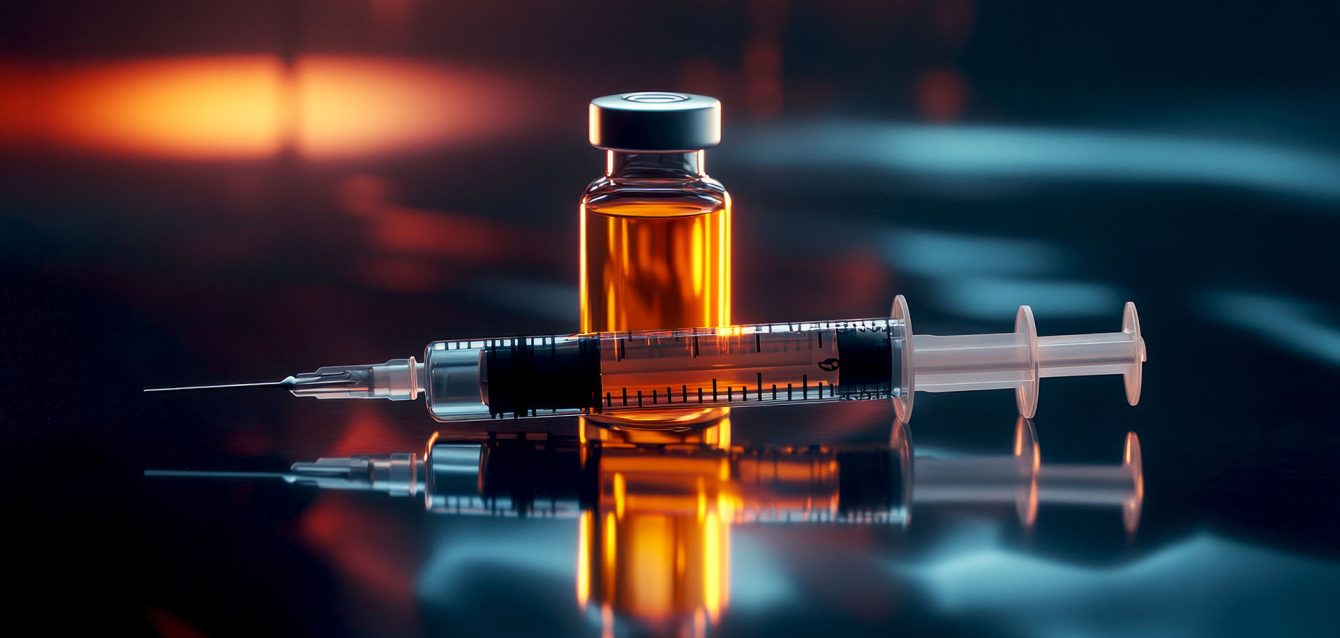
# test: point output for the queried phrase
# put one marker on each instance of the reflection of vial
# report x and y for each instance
(655, 227)
(656, 230)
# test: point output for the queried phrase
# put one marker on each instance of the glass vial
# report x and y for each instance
(655, 229)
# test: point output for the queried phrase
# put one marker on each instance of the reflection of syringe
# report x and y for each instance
(538, 475)
(1023, 479)
(758, 364)
(663, 512)
(548, 476)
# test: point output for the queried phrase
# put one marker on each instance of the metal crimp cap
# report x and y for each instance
(657, 121)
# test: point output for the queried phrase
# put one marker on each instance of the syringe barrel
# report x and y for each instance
(615, 372)
(524, 376)
(453, 376)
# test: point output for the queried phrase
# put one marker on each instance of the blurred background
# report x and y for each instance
(202, 192)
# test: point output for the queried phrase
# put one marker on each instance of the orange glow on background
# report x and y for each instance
(238, 107)
(227, 106)
(364, 430)
(170, 626)
(368, 553)
(941, 95)
(417, 250)
(404, 230)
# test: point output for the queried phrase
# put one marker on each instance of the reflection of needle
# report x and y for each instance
(258, 384)
(391, 472)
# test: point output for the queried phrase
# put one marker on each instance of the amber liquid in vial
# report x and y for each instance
(656, 254)
(655, 264)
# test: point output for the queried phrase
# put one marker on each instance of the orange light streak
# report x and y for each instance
(713, 566)
(248, 107)
(584, 558)
(619, 495)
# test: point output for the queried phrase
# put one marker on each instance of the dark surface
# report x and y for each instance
(970, 156)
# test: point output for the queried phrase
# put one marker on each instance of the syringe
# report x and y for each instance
(739, 366)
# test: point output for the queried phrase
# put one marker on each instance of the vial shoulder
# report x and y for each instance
(655, 196)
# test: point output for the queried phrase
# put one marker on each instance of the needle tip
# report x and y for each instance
(259, 384)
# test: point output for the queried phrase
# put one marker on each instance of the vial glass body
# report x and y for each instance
(656, 245)
(656, 254)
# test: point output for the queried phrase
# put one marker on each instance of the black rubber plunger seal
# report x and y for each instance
(865, 362)
(526, 379)
(869, 482)
(530, 469)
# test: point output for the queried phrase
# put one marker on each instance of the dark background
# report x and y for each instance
(204, 192)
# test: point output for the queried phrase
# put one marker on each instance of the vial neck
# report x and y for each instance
(635, 164)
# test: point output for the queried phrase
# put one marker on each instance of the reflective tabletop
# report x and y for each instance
(136, 255)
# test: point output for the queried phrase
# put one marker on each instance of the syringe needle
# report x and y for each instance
(314, 382)
(258, 384)
(214, 474)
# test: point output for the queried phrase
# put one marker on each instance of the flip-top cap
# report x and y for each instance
(655, 121)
